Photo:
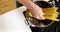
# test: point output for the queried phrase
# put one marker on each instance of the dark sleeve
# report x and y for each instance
(18, 4)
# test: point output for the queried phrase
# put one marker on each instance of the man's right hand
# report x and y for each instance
(34, 9)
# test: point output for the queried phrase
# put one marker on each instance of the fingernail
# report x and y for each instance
(43, 18)
(38, 17)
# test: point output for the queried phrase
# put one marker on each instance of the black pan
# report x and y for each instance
(35, 22)
(43, 4)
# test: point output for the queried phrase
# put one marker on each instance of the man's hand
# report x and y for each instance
(37, 12)
(34, 9)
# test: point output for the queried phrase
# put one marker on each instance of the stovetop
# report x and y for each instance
(52, 28)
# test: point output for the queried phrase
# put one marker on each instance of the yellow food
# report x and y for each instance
(50, 13)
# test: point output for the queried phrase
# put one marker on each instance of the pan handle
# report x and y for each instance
(28, 23)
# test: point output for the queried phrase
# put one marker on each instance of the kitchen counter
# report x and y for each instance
(14, 21)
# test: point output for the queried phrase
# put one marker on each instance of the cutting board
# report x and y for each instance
(7, 5)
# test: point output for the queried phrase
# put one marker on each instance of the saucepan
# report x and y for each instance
(31, 21)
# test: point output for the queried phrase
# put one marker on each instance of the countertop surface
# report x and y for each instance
(14, 21)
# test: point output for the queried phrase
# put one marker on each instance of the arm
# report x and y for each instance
(34, 9)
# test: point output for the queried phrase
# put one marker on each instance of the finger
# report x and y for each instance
(41, 13)
(37, 17)
(42, 17)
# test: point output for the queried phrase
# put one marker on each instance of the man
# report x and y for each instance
(34, 9)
